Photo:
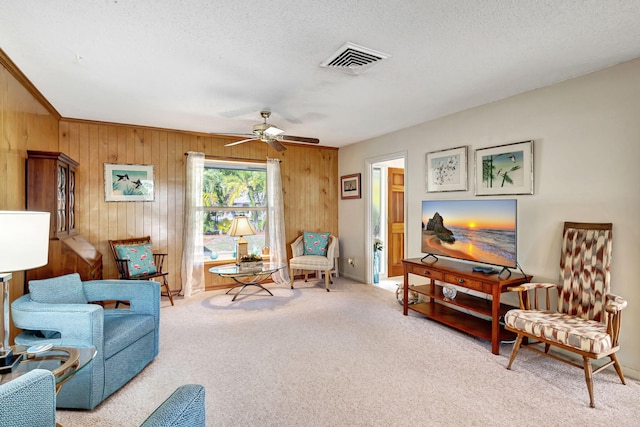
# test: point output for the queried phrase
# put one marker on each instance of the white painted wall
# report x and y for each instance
(586, 167)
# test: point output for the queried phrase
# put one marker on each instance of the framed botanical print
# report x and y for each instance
(446, 170)
(504, 169)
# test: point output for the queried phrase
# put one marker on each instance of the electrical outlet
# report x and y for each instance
(351, 262)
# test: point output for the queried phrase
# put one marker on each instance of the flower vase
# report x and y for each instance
(376, 267)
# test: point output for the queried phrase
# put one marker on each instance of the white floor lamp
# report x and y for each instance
(25, 245)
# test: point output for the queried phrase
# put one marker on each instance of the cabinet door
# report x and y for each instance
(71, 214)
(51, 182)
(66, 200)
(61, 200)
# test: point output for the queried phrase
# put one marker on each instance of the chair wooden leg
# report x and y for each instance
(618, 367)
(514, 351)
(326, 279)
(292, 276)
(166, 287)
(588, 376)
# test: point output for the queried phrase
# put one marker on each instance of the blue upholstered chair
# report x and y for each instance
(126, 340)
(29, 400)
(185, 407)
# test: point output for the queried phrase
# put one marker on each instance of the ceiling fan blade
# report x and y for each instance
(299, 139)
(240, 142)
(239, 111)
(240, 135)
(276, 145)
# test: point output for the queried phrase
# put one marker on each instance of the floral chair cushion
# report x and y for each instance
(315, 243)
(140, 258)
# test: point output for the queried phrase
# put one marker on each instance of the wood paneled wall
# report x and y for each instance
(24, 125)
(309, 177)
(29, 122)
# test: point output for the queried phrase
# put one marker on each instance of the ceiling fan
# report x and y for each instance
(272, 135)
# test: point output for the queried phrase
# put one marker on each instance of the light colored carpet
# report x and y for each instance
(305, 357)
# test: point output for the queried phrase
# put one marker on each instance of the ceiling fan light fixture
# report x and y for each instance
(273, 131)
(272, 135)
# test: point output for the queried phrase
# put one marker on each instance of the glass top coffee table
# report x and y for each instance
(248, 275)
(63, 362)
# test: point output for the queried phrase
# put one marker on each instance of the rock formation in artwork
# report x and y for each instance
(436, 225)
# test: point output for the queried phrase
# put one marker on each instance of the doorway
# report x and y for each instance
(387, 218)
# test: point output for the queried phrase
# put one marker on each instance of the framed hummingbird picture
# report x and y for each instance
(504, 169)
(128, 183)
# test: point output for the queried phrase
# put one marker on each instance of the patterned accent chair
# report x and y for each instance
(184, 408)
(29, 400)
(307, 260)
(56, 311)
(587, 319)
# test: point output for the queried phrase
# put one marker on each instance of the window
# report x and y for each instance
(229, 189)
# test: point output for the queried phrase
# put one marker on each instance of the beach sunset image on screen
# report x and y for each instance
(483, 231)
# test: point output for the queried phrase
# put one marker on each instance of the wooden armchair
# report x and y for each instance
(587, 319)
(135, 260)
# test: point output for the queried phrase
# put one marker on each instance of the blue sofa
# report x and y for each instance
(126, 340)
(30, 400)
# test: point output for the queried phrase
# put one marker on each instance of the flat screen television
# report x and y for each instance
(482, 231)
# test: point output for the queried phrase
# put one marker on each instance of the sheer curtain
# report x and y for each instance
(275, 206)
(192, 243)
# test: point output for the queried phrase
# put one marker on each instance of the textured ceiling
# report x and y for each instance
(211, 66)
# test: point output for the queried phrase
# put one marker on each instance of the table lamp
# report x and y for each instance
(241, 227)
(25, 245)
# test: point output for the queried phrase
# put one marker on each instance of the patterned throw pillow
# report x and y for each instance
(315, 243)
(140, 259)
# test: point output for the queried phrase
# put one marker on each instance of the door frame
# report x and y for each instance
(368, 198)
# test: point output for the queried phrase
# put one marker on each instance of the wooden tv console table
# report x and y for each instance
(443, 272)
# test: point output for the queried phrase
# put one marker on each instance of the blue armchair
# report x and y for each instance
(29, 400)
(185, 407)
(126, 340)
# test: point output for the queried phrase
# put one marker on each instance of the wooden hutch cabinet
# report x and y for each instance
(51, 179)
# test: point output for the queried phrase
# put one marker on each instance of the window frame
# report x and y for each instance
(249, 165)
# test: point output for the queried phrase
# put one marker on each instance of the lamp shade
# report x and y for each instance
(241, 227)
(25, 240)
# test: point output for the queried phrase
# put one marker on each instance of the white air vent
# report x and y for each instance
(354, 59)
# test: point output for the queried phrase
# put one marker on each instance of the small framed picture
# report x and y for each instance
(350, 186)
(128, 183)
(504, 169)
(446, 170)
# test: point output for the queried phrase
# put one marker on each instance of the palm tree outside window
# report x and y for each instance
(232, 188)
